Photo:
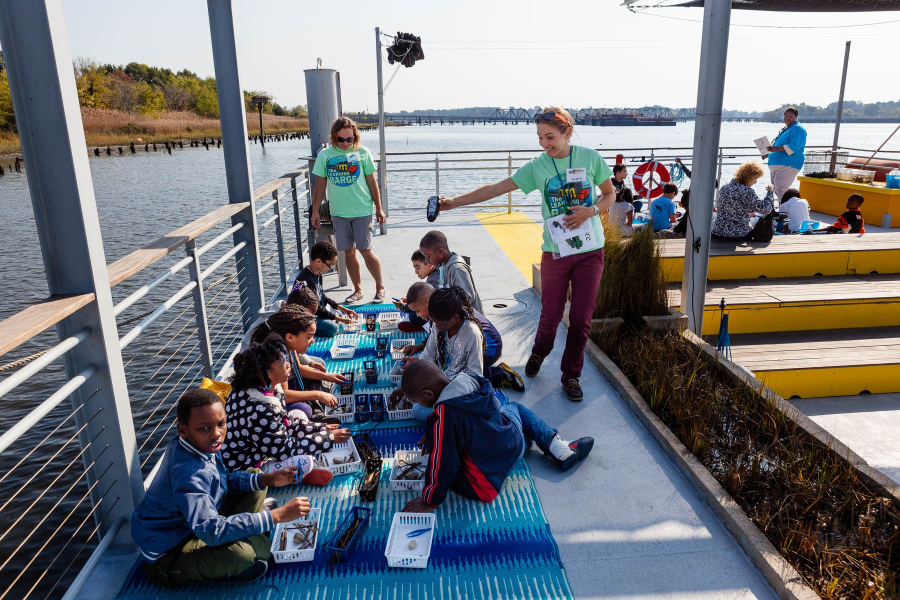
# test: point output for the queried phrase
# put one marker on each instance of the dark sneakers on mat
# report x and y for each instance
(511, 379)
(573, 390)
(580, 449)
(533, 366)
(253, 572)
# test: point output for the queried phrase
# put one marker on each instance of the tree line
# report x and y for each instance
(139, 88)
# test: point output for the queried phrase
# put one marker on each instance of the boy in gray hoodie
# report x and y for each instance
(452, 268)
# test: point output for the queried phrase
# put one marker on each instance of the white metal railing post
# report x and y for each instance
(45, 99)
(200, 310)
(236, 149)
(509, 194)
(297, 229)
(719, 172)
(279, 239)
(437, 175)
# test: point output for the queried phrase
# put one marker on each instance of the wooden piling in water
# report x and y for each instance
(131, 147)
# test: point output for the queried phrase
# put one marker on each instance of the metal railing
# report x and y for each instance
(179, 320)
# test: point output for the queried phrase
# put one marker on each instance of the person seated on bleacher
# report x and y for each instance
(851, 221)
(472, 442)
(736, 201)
(199, 522)
(662, 210)
(795, 207)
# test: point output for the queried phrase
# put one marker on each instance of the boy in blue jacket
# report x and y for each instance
(471, 441)
(199, 522)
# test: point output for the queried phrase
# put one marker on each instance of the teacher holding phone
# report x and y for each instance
(573, 241)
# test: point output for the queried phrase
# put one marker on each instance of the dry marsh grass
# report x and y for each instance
(840, 535)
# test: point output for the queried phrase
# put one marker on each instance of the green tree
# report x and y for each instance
(7, 117)
(150, 100)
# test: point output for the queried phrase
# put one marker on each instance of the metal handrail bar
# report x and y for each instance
(23, 374)
(94, 560)
(211, 243)
(211, 268)
(131, 335)
(450, 160)
(265, 206)
(269, 221)
(41, 410)
(147, 288)
(864, 150)
(612, 149)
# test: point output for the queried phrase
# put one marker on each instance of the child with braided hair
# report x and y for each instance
(261, 431)
(296, 326)
(301, 295)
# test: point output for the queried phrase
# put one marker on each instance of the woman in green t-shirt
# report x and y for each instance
(566, 175)
(348, 172)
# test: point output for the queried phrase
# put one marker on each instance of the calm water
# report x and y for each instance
(145, 196)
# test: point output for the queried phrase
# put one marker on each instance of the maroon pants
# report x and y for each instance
(583, 271)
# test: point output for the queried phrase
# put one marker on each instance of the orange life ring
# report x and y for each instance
(638, 179)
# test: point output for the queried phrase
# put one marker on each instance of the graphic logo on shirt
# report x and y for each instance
(560, 195)
(343, 172)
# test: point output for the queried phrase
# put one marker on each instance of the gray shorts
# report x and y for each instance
(353, 232)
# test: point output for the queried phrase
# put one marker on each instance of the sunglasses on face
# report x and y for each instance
(348, 140)
(548, 118)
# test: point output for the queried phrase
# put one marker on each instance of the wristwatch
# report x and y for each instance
(596, 210)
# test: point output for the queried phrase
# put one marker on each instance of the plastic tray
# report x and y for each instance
(340, 450)
(389, 320)
(400, 485)
(356, 512)
(342, 401)
(396, 373)
(397, 415)
(344, 346)
(397, 549)
(353, 326)
(398, 345)
(361, 440)
(365, 409)
(291, 554)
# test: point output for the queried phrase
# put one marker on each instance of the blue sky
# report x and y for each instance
(504, 53)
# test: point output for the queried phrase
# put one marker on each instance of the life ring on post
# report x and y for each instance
(662, 177)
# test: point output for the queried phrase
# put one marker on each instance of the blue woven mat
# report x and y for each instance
(501, 550)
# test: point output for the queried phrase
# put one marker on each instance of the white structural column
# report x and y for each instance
(382, 154)
(236, 148)
(707, 127)
(45, 99)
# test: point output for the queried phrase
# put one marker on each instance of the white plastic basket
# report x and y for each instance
(397, 549)
(343, 417)
(389, 320)
(397, 347)
(397, 415)
(344, 346)
(340, 450)
(291, 553)
(401, 485)
(354, 326)
(396, 373)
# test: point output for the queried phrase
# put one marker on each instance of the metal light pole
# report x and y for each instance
(840, 109)
(710, 90)
(382, 164)
(260, 101)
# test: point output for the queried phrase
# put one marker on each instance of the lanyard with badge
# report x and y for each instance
(581, 238)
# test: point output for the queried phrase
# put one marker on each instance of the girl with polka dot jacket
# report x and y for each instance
(259, 426)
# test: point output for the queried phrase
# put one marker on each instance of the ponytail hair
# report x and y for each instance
(302, 295)
(445, 304)
(292, 319)
(251, 367)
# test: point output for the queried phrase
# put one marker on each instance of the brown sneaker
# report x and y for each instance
(533, 366)
(573, 390)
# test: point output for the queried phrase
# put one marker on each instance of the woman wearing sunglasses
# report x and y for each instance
(348, 172)
(573, 241)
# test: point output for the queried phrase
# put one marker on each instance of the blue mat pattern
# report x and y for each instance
(503, 550)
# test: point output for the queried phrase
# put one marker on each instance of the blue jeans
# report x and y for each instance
(533, 428)
(326, 328)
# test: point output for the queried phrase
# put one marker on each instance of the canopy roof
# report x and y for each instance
(807, 5)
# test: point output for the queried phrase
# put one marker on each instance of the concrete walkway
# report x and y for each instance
(868, 424)
(627, 523)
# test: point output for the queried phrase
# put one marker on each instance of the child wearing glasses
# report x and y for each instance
(322, 256)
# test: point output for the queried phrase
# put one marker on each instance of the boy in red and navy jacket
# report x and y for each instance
(472, 442)
(851, 221)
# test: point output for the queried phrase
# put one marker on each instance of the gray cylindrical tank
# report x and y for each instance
(323, 100)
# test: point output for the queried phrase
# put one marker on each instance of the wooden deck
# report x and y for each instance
(801, 304)
(792, 256)
(823, 363)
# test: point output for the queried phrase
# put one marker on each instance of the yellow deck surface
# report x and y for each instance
(518, 235)
(829, 196)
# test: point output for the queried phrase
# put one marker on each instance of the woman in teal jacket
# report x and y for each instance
(786, 154)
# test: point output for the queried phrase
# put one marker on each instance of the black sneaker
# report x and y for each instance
(573, 390)
(252, 573)
(533, 366)
(511, 378)
(581, 448)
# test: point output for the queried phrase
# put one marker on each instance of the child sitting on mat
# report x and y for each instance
(260, 428)
(452, 268)
(472, 442)
(424, 271)
(304, 390)
(322, 257)
(301, 295)
(198, 522)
